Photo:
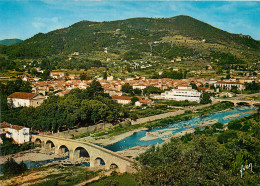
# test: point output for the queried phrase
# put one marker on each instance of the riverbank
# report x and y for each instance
(31, 155)
(113, 139)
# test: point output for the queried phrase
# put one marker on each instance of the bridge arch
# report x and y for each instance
(227, 101)
(113, 166)
(38, 141)
(99, 162)
(49, 144)
(63, 149)
(80, 152)
(243, 103)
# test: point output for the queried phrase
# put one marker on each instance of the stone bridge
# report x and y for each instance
(98, 156)
(252, 103)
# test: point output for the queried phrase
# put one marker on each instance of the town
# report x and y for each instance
(129, 93)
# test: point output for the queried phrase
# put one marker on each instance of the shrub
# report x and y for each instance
(224, 137)
(235, 125)
(218, 125)
(11, 168)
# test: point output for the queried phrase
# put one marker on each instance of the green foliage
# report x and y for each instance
(252, 86)
(205, 98)
(8, 147)
(134, 99)
(152, 90)
(127, 88)
(171, 74)
(177, 103)
(10, 168)
(235, 125)
(131, 55)
(186, 138)
(172, 51)
(218, 125)
(124, 179)
(223, 138)
(207, 157)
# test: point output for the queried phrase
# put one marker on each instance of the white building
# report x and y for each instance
(24, 99)
(18, 133)
(229, 85)
(122, 99)
(181, 95)
(110, 78)
(57, 75)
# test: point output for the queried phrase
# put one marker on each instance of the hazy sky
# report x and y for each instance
(25, 18)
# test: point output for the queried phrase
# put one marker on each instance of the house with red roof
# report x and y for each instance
(25, 99)
(18, 133)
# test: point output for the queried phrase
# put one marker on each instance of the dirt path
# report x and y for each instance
(108, 173)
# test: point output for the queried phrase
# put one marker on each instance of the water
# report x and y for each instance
(134, 140)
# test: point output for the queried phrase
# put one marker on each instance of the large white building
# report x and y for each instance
(18, 133)
(181, 94)
(24, 99)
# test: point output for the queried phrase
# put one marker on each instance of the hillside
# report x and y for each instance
(166, 37)
(10, 41)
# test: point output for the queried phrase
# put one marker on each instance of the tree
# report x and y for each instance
(127, 88)
(83, 76)
(194, 86)
(133, 100)
(205, 98)
(11, 168)
(105, 75)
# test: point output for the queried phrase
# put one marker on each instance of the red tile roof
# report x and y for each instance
(121, 97)
(8, 125)
(22, 95)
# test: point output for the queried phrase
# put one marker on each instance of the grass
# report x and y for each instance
(124, 180)
(116, 130)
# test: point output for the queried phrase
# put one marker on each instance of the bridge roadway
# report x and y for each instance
(77, 149)
(237, 100)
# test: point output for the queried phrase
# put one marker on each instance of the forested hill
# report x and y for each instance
(134, 33)
(9, 41)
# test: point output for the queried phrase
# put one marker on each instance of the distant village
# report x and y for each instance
(174, 89)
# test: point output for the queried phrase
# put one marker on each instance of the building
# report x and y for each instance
(122, 99)
(57, 75)
(18, 133)
(24, 99)
(110, 78)
(181, 95)
(229, 84)
(143, 101)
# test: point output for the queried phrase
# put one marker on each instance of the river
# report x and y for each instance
(134, 140)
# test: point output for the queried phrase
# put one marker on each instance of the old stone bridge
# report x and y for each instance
(252, 103)
(98, 156)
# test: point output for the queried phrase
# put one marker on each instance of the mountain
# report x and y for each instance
(10, 41)
(169, 37)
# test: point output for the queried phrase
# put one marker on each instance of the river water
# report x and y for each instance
(134, 139)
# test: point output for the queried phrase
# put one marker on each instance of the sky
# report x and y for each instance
(24, 18)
